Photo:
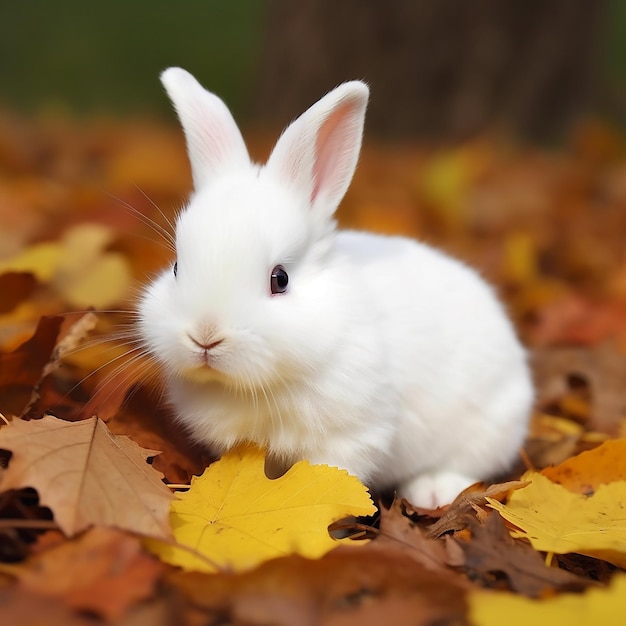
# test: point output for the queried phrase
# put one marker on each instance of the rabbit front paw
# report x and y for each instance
(435, 489)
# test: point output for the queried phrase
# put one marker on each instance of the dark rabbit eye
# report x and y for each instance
(175, 269)
(279, 280)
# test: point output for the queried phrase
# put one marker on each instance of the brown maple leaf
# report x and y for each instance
(467, 505)
(492, 553)
(398, 531)
(87, 475)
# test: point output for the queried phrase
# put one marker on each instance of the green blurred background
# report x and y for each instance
(443, 68)
(106, 56)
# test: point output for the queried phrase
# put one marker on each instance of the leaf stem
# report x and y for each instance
(178, 486)
(38, 524)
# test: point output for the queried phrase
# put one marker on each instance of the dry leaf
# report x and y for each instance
(557, 520)
(492, 552)
(20, 369)
(15, 287)
(88, 275)
(41, 260)
(603, 366)
(22, 608)
(78, 267)
(397, 530)
(551, 439)
(365, 586)
(236, 517)
(585, 472)
(72, 333)
(86, 475)
(104, 572)
(457, 515)
(153, 428)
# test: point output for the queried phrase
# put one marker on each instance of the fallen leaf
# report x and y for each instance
(78, 267)
(103, 572)
(588, 470)
(89, 275)
(366, 586)
(86, 475)
(551, 439)
(492, 552)
(153, 427)
(20, 369)
(596, 606)
(40, 260)
(557, 520)
(72, 333)
(236, 517)
(457, 515)
(397, 530)
(603, 366)
(127, 402)
(15, 287)
(23, 608)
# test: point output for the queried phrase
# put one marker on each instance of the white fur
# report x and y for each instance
(384, 357)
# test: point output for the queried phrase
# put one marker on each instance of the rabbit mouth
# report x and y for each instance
(201, 373)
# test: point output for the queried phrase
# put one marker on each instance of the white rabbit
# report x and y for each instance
(375, 354)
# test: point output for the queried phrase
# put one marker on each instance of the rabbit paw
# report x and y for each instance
(430, 491)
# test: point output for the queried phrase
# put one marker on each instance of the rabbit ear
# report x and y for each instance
(319, 151)
(214, 142)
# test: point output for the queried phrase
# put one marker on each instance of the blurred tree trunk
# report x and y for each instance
(437, 68)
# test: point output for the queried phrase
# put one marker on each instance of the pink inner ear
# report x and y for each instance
(331, 146)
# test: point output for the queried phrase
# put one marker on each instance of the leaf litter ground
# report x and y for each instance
(80, 506)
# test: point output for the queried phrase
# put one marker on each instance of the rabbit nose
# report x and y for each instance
(205, 345)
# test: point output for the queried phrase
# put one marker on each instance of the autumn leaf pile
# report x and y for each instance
(107, 513)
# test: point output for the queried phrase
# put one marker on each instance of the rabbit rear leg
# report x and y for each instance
(434, 489)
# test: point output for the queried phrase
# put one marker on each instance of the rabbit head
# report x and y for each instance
(251, 298)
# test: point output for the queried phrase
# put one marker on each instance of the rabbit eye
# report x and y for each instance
(175, 269)
(279, 280)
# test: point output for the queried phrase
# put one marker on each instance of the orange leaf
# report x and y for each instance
(585, 472)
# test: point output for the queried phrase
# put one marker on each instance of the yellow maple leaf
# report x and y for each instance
(557, 520)
(596, 606)
(237, 518)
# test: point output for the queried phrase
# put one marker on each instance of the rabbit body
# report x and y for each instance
(382, 356)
